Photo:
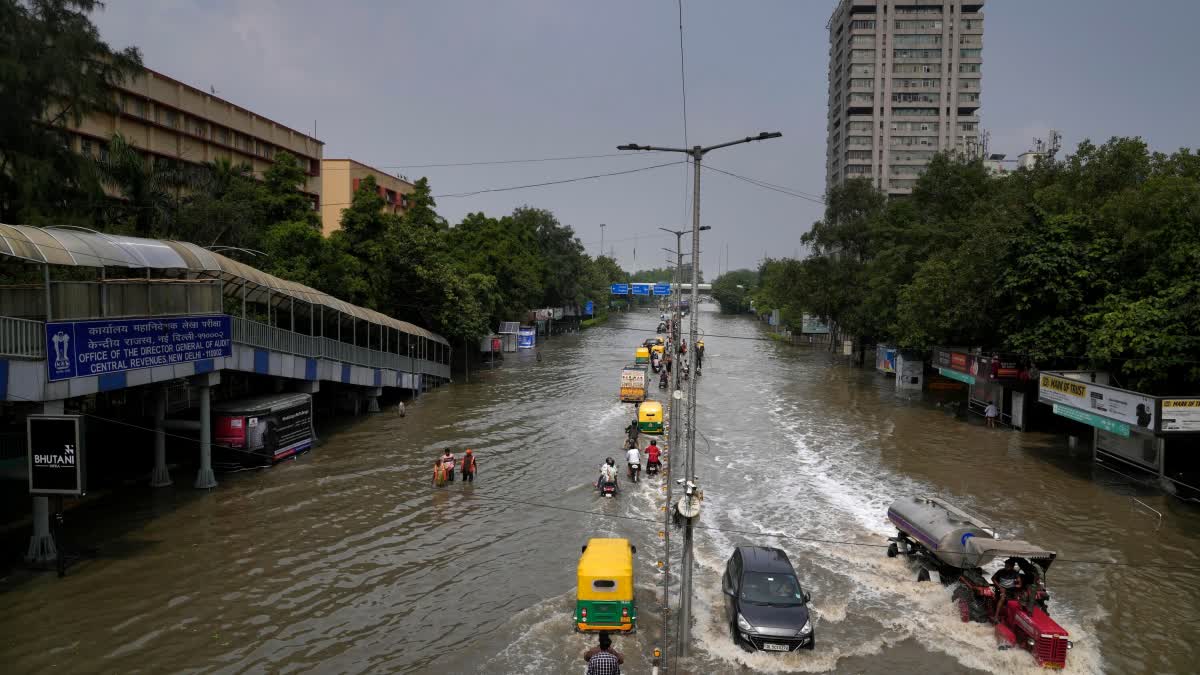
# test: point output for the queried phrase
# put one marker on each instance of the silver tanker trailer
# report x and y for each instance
(956, 545)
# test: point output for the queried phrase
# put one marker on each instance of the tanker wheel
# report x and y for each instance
(964, 610)
(892, 550)
(923, 575)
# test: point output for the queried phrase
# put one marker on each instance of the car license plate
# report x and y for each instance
(773, 647)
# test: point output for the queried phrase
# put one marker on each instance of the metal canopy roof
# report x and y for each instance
(80, 247)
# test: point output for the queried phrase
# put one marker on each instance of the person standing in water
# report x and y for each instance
(468, 467)
(448, 465)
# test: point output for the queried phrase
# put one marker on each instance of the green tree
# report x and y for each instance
(732, 290)
(54, 71)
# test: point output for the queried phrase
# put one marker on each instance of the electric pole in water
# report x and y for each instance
(689, 504)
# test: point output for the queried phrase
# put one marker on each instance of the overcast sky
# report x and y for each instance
(395, 84)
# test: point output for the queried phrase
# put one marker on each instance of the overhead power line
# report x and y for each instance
(555, 182)
(495, 162)
(767, 186)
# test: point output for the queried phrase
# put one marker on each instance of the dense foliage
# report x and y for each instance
(1090, 261)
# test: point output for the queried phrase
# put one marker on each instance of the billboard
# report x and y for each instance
(84, 348)
(1111, 403)
(812, 324)
(885, 359)
(1180, 414)
(619, 289)
(642, 289)
(55, 447)
(662, 289)
(526, 337)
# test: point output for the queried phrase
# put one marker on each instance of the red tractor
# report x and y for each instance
(956, 544)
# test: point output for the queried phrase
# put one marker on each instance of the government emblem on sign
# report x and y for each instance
(62, 350)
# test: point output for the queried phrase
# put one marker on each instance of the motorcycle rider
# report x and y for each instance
(633, 456)
(662, 378)
(608, 472)
(652, 453)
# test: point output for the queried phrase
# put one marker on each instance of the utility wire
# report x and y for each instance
(555, 182)
(504, 161)
(765, 185)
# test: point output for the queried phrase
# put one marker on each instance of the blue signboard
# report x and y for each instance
(526, 337)
(641, 289)
(84, 348)
(620, 289)
(662, 289)
(587, 309)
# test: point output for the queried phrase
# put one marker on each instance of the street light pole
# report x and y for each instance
(689, 505)
(602, 226)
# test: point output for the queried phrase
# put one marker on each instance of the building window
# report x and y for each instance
(971, 24)
(863, 83)
(917, 53)
(862, 54)
(911, 83)
(862, 98)
(858, 170)
(867, 69)
(858, 126)
(862, 40)
(968, 127)
(915, 112)
(901, 183)
(199, 128)
(970, 41)
(858, 155)
(222, 135)
(915, 126)
(972, 84)
(85, 147)
(919, 24)
(859, 140)
(919, 10)
(970, 53)
(914, 141)
(921, 68)
(918, 40)
(968, 67)
(908, 97)
(968, 97)
(168, 118)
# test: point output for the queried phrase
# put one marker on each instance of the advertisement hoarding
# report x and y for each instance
(1130, 408)
(56, 452)
(86, 348)
(1180, 414)
(526, 337)
(885, 359)
(812, 324)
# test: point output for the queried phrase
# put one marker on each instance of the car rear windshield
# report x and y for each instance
(775, 589)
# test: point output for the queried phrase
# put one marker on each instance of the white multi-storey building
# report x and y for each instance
(904, 84)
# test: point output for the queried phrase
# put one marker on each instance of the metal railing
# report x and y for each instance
(22, 338)
(282, 340)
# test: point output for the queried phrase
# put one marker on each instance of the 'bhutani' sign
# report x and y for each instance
(55, 444)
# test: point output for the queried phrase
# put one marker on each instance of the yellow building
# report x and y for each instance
(171, 120)
(341, 177)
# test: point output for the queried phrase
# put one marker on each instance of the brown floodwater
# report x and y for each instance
(348, 560)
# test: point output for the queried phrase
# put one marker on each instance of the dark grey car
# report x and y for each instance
(765, 606)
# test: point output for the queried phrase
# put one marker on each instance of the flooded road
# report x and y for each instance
(347, 560)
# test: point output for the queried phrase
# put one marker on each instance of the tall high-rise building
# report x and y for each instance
(904, 84)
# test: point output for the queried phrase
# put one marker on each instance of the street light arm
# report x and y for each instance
(654, 148)
(761, 137)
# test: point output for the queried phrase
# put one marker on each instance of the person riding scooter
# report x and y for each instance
(662, 379)
(653, 464)
(633, 457)
(608, 474)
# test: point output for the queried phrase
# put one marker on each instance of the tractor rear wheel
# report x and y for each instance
(892, 550)
(923, 575)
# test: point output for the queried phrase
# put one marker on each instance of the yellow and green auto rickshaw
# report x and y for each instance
(650, 417)
(604, 600)
(642, 356)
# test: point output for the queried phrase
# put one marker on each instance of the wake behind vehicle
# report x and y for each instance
(604, 595)
(957, 544)
(764, 604)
